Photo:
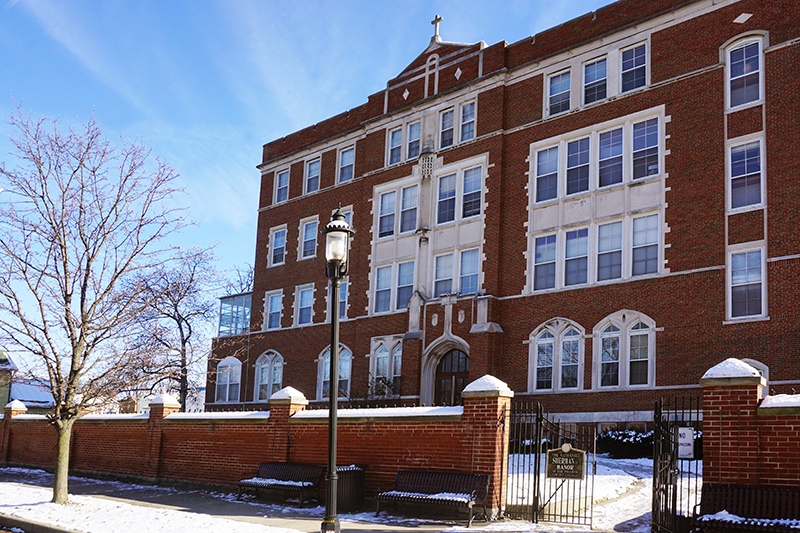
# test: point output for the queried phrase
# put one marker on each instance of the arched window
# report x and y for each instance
(269, 375)
(229, 375)
(324, 375)
(744, 71)
(625, 342)
(556, 358)
(387, 363)
(452, 374)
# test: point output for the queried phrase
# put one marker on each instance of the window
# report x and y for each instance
(634, 68)
(471, 200)
(626, 344)
(645, 148)
(277, 241)
(308, 235)
(346, 162)
(312, 176)
(229, 374)
(395, 145)
(547, 174)
(387, 363)
(304, 301)
(446, 207)
(559, 93)
(576, 257)
(383, 289)
(746, 175)
(544, 270)
(594, 81)
(557, 356)
(408, 209)
(467, 121)
(274, 302)
(405, 283)
(343, 288)
(470, 266)
(446, 129)
(609, 251)
(269, 375)
(645, 245)
(345, 364)
(386, 214)
(744, 73)
(282, 186)
(578, 166)
(746, 284)
(234, 314)
(413, 146)
(611, 157)
(443, 275)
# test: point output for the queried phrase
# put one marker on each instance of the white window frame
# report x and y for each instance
(732, 145)
(558, 328)
(387, 211)
(746, 248)
(437, 278)
(584, 84)
(393, 345)
(741, 42)
(345, 361)
(299, 291)
(388, 279)
(625, 321)
(308, 176)
(397, 286)
(301, 240)
(451, 128)
(458, 196)
(273, 362)
(575, 255)
(278, 188)
(645, 66)
(267, 309)
(341, 165)
(551, 95)
(476, 274)
(235, 366)
(271, 249)
(411, 140)
(394, 148)
(466, 120)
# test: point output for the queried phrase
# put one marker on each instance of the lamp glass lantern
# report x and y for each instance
(337, 245)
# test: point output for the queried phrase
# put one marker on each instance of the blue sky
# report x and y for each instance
(207, 83)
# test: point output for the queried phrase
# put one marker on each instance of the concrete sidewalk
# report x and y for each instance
(222, 505)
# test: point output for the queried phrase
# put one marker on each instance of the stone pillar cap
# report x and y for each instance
(16, 405)
(487, 386)
(289, 395)
(733, 372)
(166, 400)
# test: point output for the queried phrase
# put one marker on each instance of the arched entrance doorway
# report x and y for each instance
(452, 374)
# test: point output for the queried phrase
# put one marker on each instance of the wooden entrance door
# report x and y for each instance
(451, 378)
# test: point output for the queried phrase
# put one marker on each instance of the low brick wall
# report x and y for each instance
(218, 448)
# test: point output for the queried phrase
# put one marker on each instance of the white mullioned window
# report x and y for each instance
(576, 257)
(467, 121)
(556, 357)
(269, 375)
(397, 211)
(626, 344)
(610, 160)
(559, 92)
(646, 237)
(466, 186)
(746, 284)
(544, 270)
(273, 301)
(386, 366)
(308, 238)
(346, 164)
(443, 275)
(383, 289)
(413, 142)
(609, 251)
(304, 305)
(634, 68)
(386, 214)
(281, 186)
(405, 284)
(311, 182)
(324, 373)
(394, 285)
(547, 174)
(277, 246)
(408, 209)
(228, 380)
(446, 204)
(446, 128)
(746, 182)
(744, 72)
(395, 146)
(468, 271)
(578, 166)
(595, 81)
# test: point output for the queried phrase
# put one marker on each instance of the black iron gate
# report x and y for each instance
(677, 463)
(531, 494)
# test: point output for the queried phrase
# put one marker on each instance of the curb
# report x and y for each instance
(30, 526)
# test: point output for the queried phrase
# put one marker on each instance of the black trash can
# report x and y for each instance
(350, 488)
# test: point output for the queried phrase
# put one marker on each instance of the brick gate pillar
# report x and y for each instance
(11, 410)
(282, 405)
(732, 391)
(486, 405)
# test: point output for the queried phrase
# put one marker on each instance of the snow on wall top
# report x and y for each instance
(391, 412)
(232, 415)
(486, 383)
(288, 393)
(781, 400)
(16, 405)
(731, 368)
(167, 400)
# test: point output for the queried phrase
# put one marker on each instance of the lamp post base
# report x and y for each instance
(330, 524)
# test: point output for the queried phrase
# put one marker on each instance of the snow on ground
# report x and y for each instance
(622, 496)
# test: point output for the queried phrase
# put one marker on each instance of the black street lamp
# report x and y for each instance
(337, 247)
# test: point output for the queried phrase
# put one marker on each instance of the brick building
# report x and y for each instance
(595, 215)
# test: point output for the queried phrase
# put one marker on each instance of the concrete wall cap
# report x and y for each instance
(165, 400)
(731, 368)
(487, 386)
(16, 405)
(289, 395)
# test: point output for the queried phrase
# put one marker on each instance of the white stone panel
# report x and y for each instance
(610, 203)
(545, 218)
(646, 195)
(577, 211)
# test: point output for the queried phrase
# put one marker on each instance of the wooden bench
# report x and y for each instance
(285, 477)
(454, 489)
(758, 509)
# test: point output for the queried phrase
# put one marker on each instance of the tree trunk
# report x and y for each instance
(61, 479)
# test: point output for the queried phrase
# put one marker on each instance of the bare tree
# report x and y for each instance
(79, 217)
(180, 306)
(240, 280)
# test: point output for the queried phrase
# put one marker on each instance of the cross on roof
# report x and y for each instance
(436, 20)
